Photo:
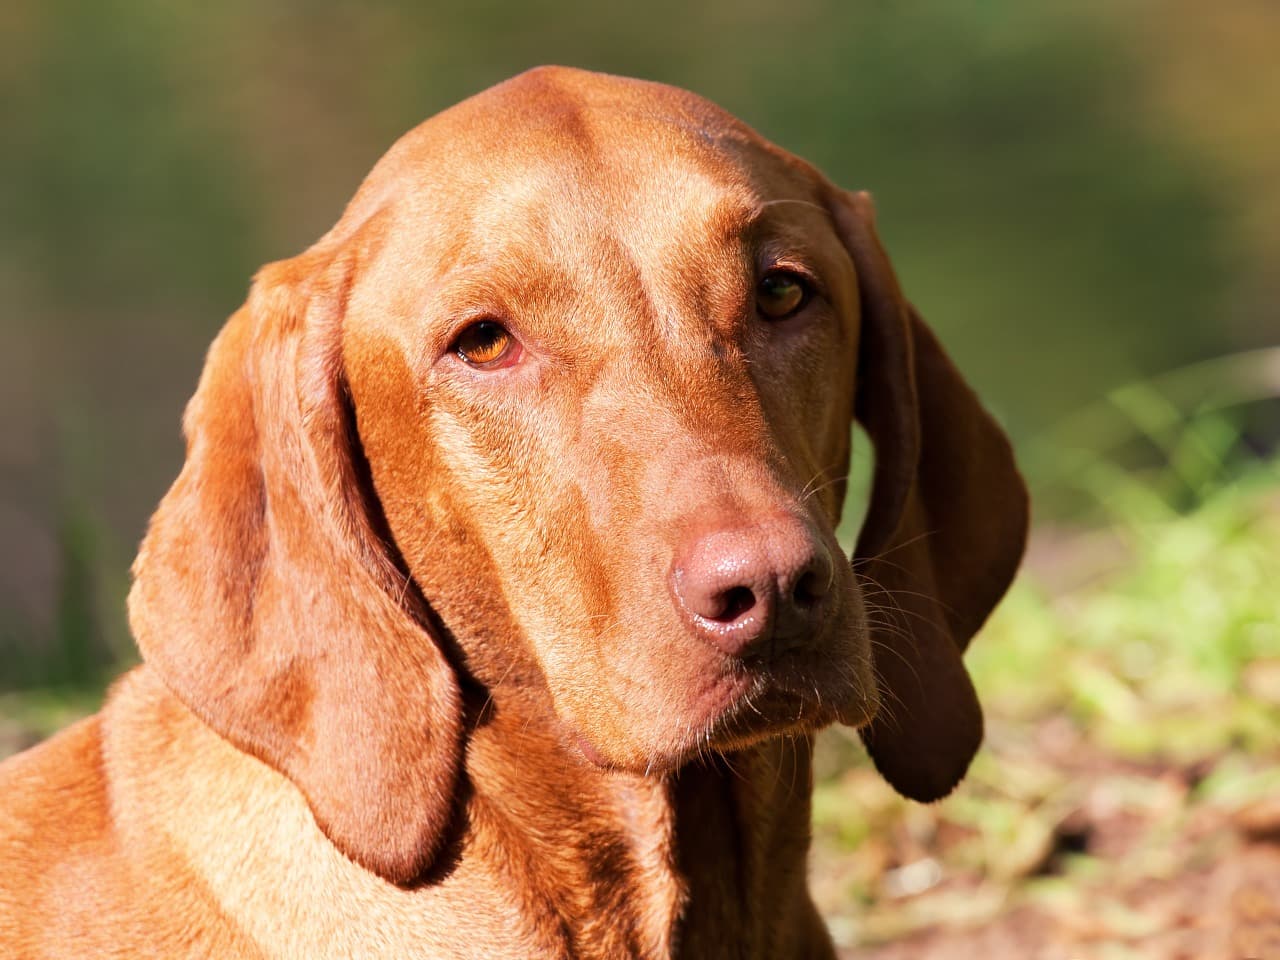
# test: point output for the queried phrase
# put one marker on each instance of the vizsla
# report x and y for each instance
(497, 603)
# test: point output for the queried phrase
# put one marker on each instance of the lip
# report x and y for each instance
(752, 701)
(791, 695)
(768, 709)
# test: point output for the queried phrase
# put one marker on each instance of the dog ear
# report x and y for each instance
(944, 532)
(266, 593)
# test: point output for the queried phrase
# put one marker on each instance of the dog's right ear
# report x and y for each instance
(267, 599)
(944, 531)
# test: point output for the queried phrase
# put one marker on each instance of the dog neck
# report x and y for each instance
(655, 866)
(552, 857)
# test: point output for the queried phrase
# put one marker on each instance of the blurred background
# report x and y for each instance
(1084, 200)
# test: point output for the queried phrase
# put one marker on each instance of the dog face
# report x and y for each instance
(567, 393)
(606, 404)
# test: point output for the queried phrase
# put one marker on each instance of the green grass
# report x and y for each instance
(1141, 664)
(1164, 643)
(1130, 680)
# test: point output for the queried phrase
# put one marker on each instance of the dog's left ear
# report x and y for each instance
(944, 532)
(269, 596)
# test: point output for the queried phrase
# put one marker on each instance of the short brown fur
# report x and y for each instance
(417, 681)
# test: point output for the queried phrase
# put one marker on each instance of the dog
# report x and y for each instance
(498, 601)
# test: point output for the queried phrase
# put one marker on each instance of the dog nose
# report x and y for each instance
(754, 590)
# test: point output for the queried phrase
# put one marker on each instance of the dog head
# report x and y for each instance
(565, 400)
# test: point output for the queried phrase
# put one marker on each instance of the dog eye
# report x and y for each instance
(487, 345)
(781, 293)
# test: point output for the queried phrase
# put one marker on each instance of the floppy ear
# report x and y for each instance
(267, 600)
(945, 527)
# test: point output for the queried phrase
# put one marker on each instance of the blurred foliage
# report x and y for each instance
(1077, 196)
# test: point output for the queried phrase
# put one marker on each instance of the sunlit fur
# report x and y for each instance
(416, 682)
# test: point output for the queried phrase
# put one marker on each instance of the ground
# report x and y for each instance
(1116, 860)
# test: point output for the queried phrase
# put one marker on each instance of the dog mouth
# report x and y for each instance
(799, 692)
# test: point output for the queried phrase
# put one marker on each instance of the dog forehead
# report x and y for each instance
(553, 111)
(559, 141)
(559, 180)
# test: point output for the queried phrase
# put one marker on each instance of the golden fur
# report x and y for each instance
(417, 680)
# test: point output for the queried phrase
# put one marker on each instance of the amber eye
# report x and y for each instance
(780, 293)
(486, 344)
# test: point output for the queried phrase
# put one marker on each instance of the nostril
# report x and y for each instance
(815, 581)
(805, 592)
(809, 589)
(733, 604)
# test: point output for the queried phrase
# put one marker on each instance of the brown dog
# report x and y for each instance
(498, 599)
